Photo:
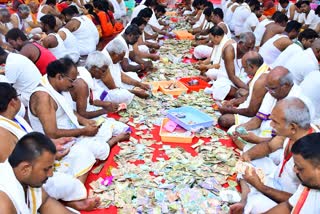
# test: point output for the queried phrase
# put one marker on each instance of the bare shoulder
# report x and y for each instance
(50, 41)
(39, 99)
(228, 52)
(80, 88)
(72, 25)
(6, 204)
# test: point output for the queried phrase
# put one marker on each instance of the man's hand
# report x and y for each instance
(59, 143)
(252, 178)
(245, 157)
(225, 109)
(250, 137)
(144, 86)
(155, 57)
(111, 107)
(147, 65)
(90, 130)
(87, 122)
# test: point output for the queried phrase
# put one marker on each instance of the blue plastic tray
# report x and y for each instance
(192, 119)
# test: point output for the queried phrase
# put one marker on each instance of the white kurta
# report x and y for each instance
(87, 35)
(250, 22)
(289, 52)
(260, 29)
(301, 64)
(239, 17)
(269, 51)
(311, 204)
(288, 182)
(10, 185)
(24, 75)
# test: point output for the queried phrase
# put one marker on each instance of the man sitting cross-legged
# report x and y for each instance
(291, 120)
(22, 177)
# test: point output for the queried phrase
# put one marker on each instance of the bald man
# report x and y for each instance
(290, 119)
(301, 64)
(230, 78)
(253, 65)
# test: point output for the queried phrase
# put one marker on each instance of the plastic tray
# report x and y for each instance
(174, 137)
(202, 84)
(183, 35)
(176, 91)
(154, 86)
(193, 120)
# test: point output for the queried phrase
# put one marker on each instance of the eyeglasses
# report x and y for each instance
(272, 90)
(70, 79)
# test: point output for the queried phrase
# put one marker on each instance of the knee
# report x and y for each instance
(226, 121)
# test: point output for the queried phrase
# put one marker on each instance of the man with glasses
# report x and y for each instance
(291, 120)
(20, 72)
(51, 112)
(279, 85)
(65, 184)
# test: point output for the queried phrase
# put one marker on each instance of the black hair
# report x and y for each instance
(74, 8)
(317, 11)
(283, 1)
(208, 4)
(196, 3)
(150, 3)
(138, 21)
(90, 9)
(16, 33)
(145, 13)
(275, 15)
(30, 147)
(257, 7)
(7, 93)
(305, 2)
(216, 31)
(101, 5)
(60, 66)
(53, 2)
(132, 29)
(68, 11)
(160, 8)
(253, 3)
(293, 25)
(207, 11)
(309, 148)
(49, 20)
(218, 12)
(308, 34)
(298, 4)
(281, 18)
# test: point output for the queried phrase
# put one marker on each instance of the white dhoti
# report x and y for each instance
(143, 49)
(212, 73)
(65, 187)
(202, 52)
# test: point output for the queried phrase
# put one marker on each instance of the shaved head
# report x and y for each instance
(277, 73)
(279, 82)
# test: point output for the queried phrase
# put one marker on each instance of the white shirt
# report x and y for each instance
(311, 204)
(289, 52)
(312, 19)
(239, 17)
(24, 75)
(119, 9)
(260, 29)
(301, 64)
(251, 21)
(269, 51)
(136, 10)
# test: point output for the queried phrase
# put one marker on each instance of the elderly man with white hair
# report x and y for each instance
(291, 120)
(115, 78)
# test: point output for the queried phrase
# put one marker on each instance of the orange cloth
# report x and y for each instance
(269, 12)
(106, 24)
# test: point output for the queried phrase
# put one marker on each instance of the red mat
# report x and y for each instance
(157, 153)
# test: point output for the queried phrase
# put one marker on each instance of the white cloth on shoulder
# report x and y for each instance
(14, 190)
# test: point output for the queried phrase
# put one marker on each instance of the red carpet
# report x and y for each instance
(156, 154)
